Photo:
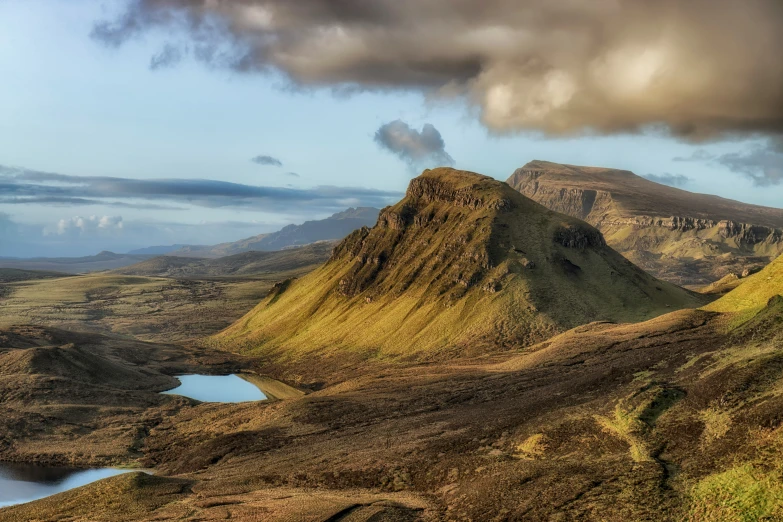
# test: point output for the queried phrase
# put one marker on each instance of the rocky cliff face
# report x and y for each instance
(696, 246)
(586, 204)
(425, 190)
(465, 255)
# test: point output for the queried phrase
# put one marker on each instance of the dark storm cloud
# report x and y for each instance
(673, 180)
(169, 56)
(19, 186)
(701, 68)
(267, 160)
(424, 148)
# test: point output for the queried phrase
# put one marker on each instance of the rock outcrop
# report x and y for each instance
(685, 238)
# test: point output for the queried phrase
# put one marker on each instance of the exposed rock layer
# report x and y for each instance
(691, 239)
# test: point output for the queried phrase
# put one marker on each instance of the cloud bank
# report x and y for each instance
(762, 164)
(701, 68)
(25, 186)
(79, 225)
(418, 149)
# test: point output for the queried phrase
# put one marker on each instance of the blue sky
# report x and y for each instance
(72, 106)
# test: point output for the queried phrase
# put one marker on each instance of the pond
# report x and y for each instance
(20, 483)
(217, 388)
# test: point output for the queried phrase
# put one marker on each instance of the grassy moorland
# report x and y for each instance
(11, 275)
(147, 308)
(162, 299)
(676, 418)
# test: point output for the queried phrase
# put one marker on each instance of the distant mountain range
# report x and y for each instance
(160, 250)
(679, 236)
(246, 265)
(327, 230)
(334, 227)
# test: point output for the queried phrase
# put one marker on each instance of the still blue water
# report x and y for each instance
(21, 483)
(217, 388)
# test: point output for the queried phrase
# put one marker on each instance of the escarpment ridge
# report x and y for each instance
(683, 237)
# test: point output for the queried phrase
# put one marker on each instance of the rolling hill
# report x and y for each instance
(679, 236)
(74, 265)
(241, 266)
(334, 227)
(11, 275)
(463, 264)
(158, 250)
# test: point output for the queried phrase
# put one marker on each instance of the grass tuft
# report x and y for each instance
(742, 494)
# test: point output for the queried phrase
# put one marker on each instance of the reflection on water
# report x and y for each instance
(217, 388)
(21, 483)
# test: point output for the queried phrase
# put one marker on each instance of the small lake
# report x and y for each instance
(217, 388)
(20, 483)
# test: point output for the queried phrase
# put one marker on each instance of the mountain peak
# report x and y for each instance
(462, 262)
(460, 188)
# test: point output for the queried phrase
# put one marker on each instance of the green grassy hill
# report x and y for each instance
(755, 292)
(462, 265)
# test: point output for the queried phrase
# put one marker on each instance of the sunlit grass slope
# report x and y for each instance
(755, 292)
(463, 264)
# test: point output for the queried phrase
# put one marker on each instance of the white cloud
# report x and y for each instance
(81, 226)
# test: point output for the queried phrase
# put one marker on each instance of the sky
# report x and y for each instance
(131, 123)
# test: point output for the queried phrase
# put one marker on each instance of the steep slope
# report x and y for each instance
(245, 265)
(463, 264)
(755, 293)
(334, 227)
(679, 236)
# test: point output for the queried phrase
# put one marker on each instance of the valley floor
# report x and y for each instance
(678, 418)
(149, 308)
